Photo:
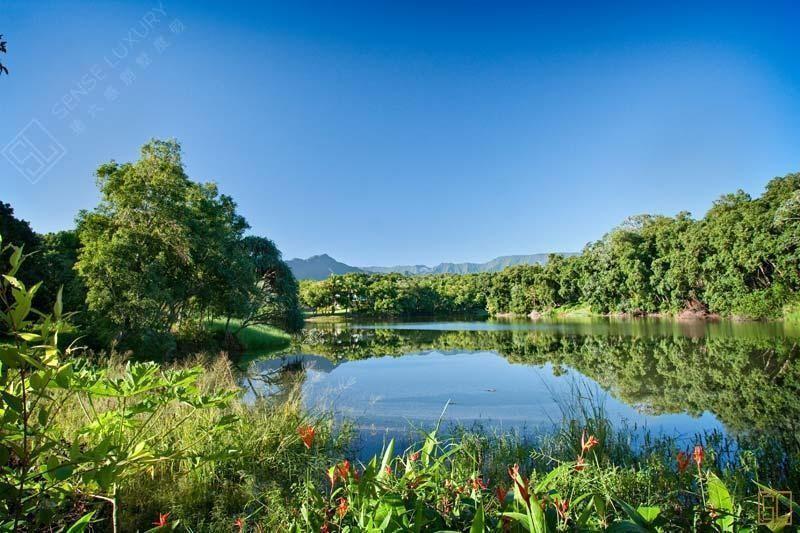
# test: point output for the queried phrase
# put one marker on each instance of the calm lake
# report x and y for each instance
(648, 375)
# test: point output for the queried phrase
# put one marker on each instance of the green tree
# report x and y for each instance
(274, 297)
(161, 249)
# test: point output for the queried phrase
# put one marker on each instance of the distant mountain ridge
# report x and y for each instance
(321, 266)
(318, 267)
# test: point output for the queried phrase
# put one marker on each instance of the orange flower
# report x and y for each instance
(239, 523)
(698, 455)
(413, 457)
(501, 493)
(683, 462)
(478, 483)
(162, 520)
(341, 510)
(561, 508)
(579, 463)
(388, 470)
(343, 470)
(588, 444)
(306, 435)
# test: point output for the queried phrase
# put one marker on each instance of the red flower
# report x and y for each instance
(162, 520)
(683, 462)
(343, 470)
(520, 482)
(306, 435)
(588, 444)
(413, 457)
(501, 493)
(388, 470)
(341, 510)
(239, 523)
(478, 483)
(579, 463)
(324, 528)
(698, 455)
(561, 508)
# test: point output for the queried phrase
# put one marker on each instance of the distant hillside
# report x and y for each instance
(322, 266)
(319, 267)
(495, 265)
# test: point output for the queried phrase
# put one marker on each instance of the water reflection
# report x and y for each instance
(672, 377)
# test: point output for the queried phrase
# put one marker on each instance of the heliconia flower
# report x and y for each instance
(562, 506)
(519, 482)
(341, 509)
(501, 493)
(698, 455)
(478, 483)
(239, 523)
(306, 435)
(162, 520)
(580, 464)
(683, 462)
(588, 444)
(343, 470)
(413, 457)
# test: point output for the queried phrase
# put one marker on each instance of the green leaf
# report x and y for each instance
(478, 521)
(634, 515)
(387, 459)
(520, 518)
(81, 524)
(626, 526)
(58, 307)
(14, 402)
(720, 499)
(649, 514)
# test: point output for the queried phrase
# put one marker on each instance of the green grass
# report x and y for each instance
(576, 310)
(791, 312)
(257, 338)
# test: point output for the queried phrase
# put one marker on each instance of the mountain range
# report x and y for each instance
(321, 266)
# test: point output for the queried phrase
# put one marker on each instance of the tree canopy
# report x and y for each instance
(741, 259)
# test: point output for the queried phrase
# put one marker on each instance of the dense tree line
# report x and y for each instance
(741, 259)
(159, 255)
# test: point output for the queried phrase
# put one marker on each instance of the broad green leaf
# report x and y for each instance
(477, 522)
(720, 499)
(81, 525)
(649, 514)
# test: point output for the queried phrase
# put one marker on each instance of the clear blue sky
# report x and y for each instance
(411, 132)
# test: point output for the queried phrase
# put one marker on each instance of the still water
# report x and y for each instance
(658, 376)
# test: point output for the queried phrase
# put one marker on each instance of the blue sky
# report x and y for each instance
(407, 132)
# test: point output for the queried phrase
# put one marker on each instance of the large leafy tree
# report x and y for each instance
(161, 249)
(274, 297)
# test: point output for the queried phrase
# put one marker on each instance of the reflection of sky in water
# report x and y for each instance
(394, 394)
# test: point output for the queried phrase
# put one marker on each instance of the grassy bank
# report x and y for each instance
(256, 338)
